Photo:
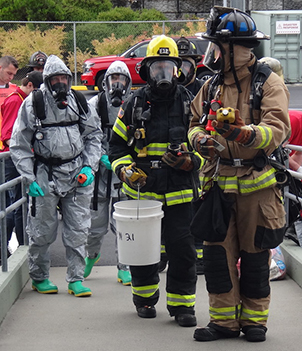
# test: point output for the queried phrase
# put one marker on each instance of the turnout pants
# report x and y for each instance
(181, 273)
(256, 225)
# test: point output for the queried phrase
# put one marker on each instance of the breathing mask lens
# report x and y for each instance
(163, 74)
(213, 58)
(188, 70)
(117, 86)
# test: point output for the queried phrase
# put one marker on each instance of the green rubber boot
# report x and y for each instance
(78, 290)
(44, 287)
(90, 262)
(124, 277)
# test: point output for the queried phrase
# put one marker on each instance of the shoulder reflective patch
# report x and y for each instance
(120, 113)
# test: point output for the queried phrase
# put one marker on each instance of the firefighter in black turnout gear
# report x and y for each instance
(150, 133)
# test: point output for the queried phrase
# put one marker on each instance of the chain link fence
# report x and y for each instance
(76, 41)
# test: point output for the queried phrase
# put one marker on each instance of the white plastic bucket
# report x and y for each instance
(138, 224)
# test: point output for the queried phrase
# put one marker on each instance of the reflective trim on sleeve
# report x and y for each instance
(120, 129)
(125, 160)
(266, 134)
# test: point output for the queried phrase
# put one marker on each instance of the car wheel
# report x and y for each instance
(99, 81)
(204, 75)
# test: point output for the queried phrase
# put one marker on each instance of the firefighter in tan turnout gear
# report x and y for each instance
(238, 170)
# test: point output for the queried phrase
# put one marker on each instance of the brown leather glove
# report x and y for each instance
(181, 161)
(238, 131)
(133, 176)
(204, 145)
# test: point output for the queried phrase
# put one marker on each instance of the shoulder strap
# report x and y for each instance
(260, 75)
(38, 104)
(102, 109)
(81, 101)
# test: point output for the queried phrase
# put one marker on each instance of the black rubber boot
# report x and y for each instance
(255, 333)
(186, 320)
(146, 311)
(214, 332)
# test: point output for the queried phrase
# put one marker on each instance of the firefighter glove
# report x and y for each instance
(106, 162)
(238, 131)
(87, 175)
(181, 160)
(204, 145)
(35, 190)
(133, 176)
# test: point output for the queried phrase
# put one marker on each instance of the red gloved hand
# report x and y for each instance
(182, 161)
(238, 131)
(204, 145)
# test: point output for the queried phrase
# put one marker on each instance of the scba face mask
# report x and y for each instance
(163, 75)
(117, 86)
(59, 88)
(213, 58)
(188, 71)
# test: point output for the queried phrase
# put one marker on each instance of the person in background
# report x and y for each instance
(9, 112)
(56, 147)
(37, 61)
(149, 138)
(252, 216)
(115, 89)
(8, 69)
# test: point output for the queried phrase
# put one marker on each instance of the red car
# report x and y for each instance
(94, 68)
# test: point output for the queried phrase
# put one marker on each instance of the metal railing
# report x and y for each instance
(4, 211)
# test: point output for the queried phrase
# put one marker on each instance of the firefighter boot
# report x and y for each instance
(44, 287)
(146, 311)
(90, 262)
(255, 333)
(186, 320)
(124, 276)
(214, 332)
(78, 290)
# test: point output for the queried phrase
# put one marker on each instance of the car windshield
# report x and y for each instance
(138, 50)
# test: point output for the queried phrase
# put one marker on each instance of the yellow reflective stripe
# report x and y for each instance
(194, 130)
(162, 249)
(181, 196)
(199, 253)
(255, 316)
(180, 300)
(266, 134)
(125, 160)
(157, 149)
(120, 129)
(265, 180)
(145, 291)
(224, 313)
(244, 186)
(143, 196)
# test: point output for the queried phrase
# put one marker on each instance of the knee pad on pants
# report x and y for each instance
(216, 269)
(254, 280)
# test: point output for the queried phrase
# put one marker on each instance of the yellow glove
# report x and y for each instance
(133, 176)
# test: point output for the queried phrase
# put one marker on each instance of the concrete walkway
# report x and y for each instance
(107, 321)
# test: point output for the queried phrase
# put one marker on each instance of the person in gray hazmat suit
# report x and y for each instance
(116, 87)
(55, 143)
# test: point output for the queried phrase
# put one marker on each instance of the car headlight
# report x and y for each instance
(86, 66)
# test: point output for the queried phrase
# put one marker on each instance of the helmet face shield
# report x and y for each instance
(162, 74)
(188, 71)
(117, 86)
(213, 58)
